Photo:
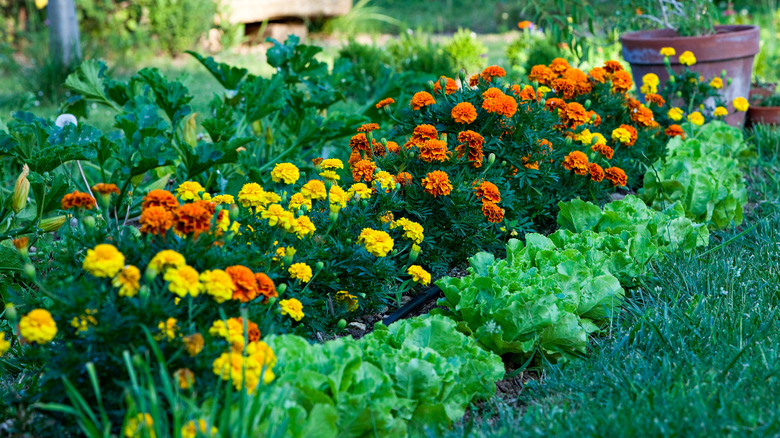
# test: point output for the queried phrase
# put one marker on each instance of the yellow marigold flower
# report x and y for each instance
(385, 180)
(82, 323)
(201, 429)
(347, 299)
(168, 329)
(585, 137)
(285, 172)
(300, 271)
(251, 195)
(231, 330)
(278, 216)
(337, 197)
(314, 189)
(4, 345)
(648, 89)
(230, 366)
(185, 378)
(696, 118)
(218, 284)
(622, 135)
(675, 114)
(292, 308)
(183, 281)
(303, 227)
(297, 200)
(387, 217)
(412, 230)
(330, 175)
(193, 344)
(165, 259)
(543, 90)
(720, 112)
(668, 51)
(360, 190)
(223, 199)
(378, 243)
(104, 261)
(687, 58)
(38, 326)
(141, 425)
(716, 83)
(332, 163)
(189, 191)
(597, 138)
(740, 104)
(419, 275)
(127, 281)
(651, 79)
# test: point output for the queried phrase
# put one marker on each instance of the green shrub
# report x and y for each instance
(466, 51)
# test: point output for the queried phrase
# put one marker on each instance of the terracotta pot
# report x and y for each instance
(769, 115)
(731, 49)
(758, 93)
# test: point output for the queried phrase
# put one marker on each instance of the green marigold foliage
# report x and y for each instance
(702, 173)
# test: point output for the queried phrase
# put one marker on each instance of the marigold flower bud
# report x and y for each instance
(89, 222)
(10, 312)
(269, 137)
(233, 212)
(671, 78)
(21, 190)
(462, 75)
(491, 159)
(29, 271)
(280, 289)
(257, 128)
(318, 267)
(342, 324)
(52, 223)
(587, 104)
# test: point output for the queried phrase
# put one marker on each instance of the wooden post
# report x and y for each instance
(64, 39)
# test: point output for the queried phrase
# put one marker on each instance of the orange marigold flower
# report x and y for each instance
(675, 130)
(363, 170)
(541, 74)
(207, 205)
(603, 149)
(393, 147)
(487, 190)
(553, 104)
(621, 81)
(160, 198)
(565, 87)
(421, 99)
(508, 106)
(404, 178)
(78, 200)
(474, 142)
(575, 75)
(385, 102)
(577, 162)
(491, 72)
(368, 127)
(191, 218)
(434, 150)
(492, 212)
(105, 189)
(421, 134)
(378, 148)
(559, 66)
(616, 176)
(598, 74)
(655, 98)
(245, 281)
(450, 87)
(644, 117)
(156, 220)
(596, 172)
(633, 104)
(544, 143)
(474, 80)
(573, 115)
(359, 142)
(525, 24)
(633, 133)
(437, 183)
(526, 94)
(266, 288)
(612, 66)
(594, 118)
(464, 112)
(528, 164)
(354, 157)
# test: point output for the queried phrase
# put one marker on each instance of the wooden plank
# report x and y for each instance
(255, 11)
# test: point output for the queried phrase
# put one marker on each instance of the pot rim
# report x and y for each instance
(731, 42)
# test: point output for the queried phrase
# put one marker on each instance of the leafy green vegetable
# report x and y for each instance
(702, 173)
(398, 380)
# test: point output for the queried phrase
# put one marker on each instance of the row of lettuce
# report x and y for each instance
(470, 165)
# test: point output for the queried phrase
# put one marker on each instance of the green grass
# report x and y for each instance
(695, 352)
